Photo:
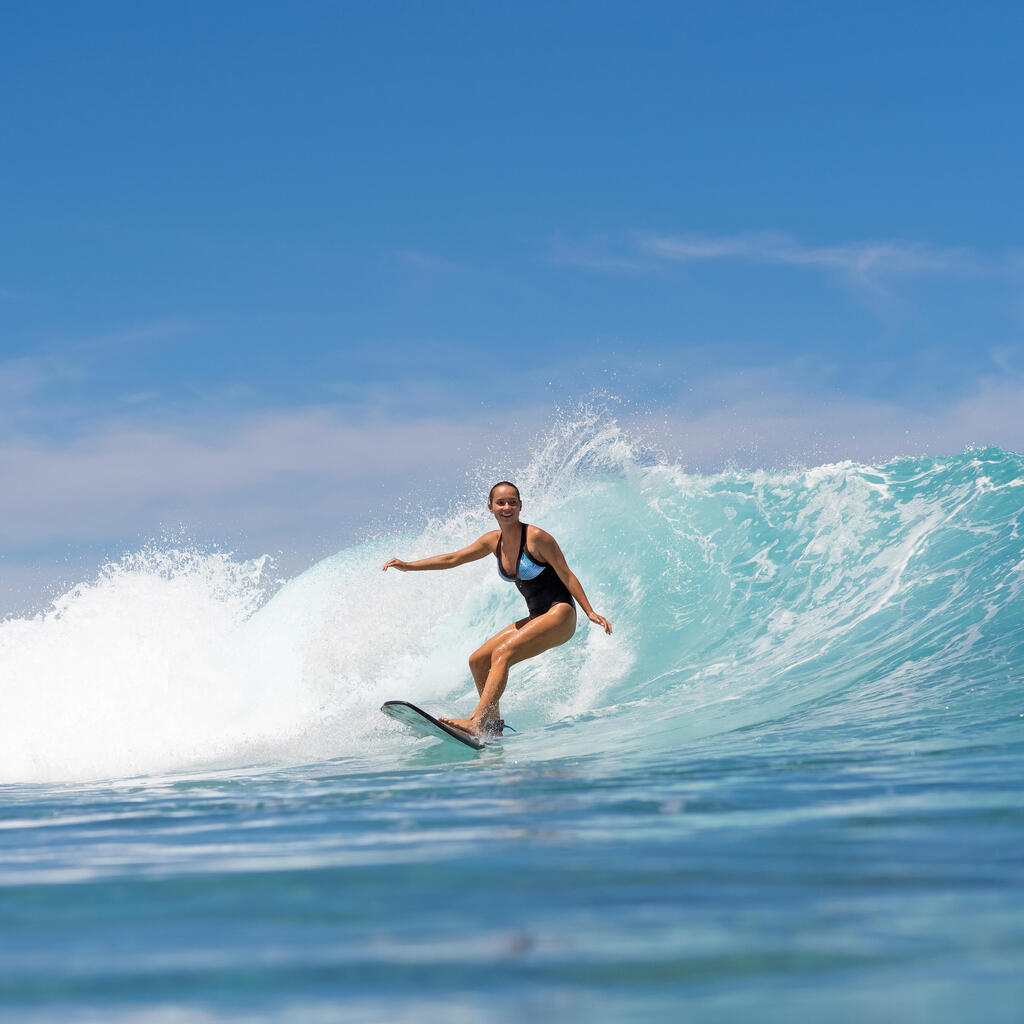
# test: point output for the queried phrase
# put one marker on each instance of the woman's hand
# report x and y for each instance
(394, 563)
(600, 620)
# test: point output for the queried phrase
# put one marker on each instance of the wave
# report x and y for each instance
(841, 604)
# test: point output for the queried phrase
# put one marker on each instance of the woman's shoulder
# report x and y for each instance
(535, 534)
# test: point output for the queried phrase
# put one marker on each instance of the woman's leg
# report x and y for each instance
(525, 639)
(480, 659)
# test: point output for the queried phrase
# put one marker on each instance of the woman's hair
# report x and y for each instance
(504, 483)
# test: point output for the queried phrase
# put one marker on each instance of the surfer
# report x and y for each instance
(532, 560)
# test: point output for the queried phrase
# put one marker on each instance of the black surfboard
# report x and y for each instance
(427, 725)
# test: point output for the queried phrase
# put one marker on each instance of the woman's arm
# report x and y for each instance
(481, 547)
(547, 547)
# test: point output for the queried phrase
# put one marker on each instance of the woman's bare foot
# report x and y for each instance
(477, 727)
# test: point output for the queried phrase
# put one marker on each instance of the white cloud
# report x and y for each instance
(594, 254)
(867, 264)
(74, 357)
(22, 377)
(861, 261)
(260, 471)
(761, 421)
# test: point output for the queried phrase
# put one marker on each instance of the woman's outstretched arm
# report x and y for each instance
(480, 548)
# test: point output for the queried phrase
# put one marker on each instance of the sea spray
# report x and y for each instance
(136, 671)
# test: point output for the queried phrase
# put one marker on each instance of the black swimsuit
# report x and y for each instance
(537, 581)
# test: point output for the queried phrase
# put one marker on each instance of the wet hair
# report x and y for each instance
(504, 483)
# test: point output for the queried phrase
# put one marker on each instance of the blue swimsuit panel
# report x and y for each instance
(528, 569)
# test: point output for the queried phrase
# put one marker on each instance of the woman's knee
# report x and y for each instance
(502, 655)
(480, 660)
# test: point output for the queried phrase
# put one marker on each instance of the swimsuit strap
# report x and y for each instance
(524, 550)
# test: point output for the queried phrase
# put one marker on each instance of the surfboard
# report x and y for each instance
(427, 725)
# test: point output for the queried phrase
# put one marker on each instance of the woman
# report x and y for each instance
(533, 561)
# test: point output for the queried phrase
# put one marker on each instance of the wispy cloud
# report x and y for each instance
(30, 384)
(98, 346)
(865, 262)
(57, 356)
(599, 254)
(869, 264)
(24, 376)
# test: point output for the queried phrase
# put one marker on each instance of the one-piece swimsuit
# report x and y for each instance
(537, 581)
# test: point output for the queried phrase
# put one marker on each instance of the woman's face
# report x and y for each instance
(505, 504)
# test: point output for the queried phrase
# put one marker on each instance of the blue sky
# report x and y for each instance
(262, 266)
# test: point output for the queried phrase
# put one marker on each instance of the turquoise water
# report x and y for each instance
(790, 783)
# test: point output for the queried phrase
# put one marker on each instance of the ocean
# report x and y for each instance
(789, 786)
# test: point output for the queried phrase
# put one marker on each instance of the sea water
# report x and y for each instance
(788, 787)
